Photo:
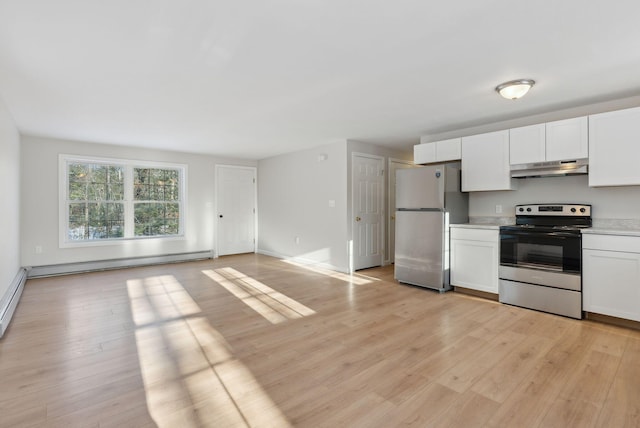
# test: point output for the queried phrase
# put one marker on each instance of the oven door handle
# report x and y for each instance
(564, 234)
(530, 234)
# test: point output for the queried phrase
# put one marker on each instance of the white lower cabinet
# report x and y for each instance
(474, 258)
(611, 275)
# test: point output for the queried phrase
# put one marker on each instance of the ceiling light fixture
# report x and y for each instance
(515, 89)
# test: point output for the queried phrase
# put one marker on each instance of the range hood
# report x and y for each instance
(550, 169)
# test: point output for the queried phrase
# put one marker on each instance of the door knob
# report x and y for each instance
(358, 219)
(220, 216)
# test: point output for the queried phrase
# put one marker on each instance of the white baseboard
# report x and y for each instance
(303, 261)
(10, 299)
(69, 268)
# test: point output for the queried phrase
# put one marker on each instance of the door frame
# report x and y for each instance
(390, 211)
(216, 235)
(353, 202)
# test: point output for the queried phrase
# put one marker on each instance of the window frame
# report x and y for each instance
(129, 202)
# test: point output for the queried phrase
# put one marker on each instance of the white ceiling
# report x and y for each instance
(256, 78)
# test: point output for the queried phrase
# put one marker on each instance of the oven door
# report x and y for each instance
(552, 251)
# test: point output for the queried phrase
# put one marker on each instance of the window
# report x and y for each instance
(107, 200)
(157, 201)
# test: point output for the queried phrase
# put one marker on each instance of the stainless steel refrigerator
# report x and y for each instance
(428, 199)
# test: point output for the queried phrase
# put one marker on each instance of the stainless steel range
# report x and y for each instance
(541, 258)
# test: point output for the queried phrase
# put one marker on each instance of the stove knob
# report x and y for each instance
(521, 209)
(582, 210)
(573, 210)
(528, 210)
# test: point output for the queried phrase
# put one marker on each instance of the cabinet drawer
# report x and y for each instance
(629, 244)
(486, 235)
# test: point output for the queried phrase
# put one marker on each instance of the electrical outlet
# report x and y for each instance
(38, 249)
(498, 209)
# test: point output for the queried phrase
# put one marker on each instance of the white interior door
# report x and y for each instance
(368, 210)
(394, 165)
(236, 209)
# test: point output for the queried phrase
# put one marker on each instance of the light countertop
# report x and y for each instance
(620, 227)
(611, 231)
(476, 226)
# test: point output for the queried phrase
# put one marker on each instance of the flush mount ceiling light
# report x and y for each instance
(515, 89)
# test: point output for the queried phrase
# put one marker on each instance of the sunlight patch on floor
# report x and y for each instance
(271, 304)
(355, 278)
(191, 377)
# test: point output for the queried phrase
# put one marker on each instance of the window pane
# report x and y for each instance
(153, 219)
(77, 191)
(115, 192)
(95, 182)
(153, 184)
(95, 220)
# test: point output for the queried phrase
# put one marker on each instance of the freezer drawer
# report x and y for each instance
(421, 250)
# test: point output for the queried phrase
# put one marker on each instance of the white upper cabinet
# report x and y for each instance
(614, 148)
(568, 139)
(485, 162)
(527, 144)
(439, 151)
(553, 141)
(448, 150)
(424, 153)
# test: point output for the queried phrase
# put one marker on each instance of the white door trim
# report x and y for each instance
(215, 208)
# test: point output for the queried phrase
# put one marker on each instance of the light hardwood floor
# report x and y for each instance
(255, 341)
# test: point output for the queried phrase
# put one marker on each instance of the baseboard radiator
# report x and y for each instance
(10, 299)
(80, 267)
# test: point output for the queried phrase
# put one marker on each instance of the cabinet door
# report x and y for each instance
(474, 264)
(527, 144)
(424, 153)
(614, 149)
(611, 283)
(485, 162)
(568, 139)
(448, 150)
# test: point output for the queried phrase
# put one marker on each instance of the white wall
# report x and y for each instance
(39, 201)
(294, 190)
(10, 212)
(608, 202)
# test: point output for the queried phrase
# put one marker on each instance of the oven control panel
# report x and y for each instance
(554, 209)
